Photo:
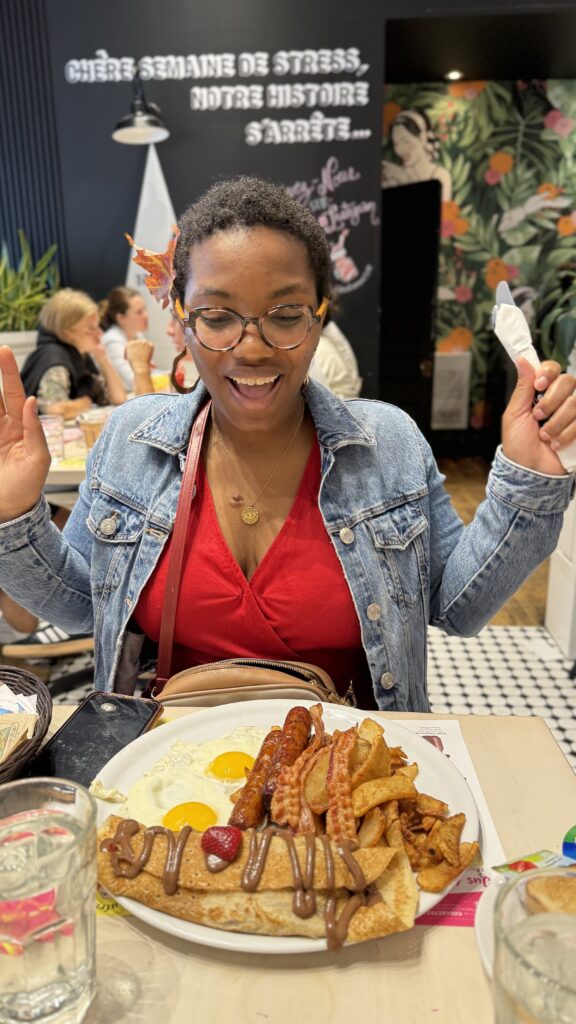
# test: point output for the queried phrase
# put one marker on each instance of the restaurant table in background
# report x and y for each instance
(65, 477)
(431, 973)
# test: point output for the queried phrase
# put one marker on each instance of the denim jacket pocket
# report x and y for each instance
(397, 537)
(116, 528)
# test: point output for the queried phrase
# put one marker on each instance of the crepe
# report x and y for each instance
(268, 911)
(277, 873)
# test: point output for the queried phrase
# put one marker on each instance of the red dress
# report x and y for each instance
(296, 606)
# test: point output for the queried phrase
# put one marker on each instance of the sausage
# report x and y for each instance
(248, 810)
(295, 735)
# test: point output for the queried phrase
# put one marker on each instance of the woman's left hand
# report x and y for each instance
(526, 439)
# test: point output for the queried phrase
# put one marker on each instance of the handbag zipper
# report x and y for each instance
(248, 662)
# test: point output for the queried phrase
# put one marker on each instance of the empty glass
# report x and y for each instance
(535, 950)
(47, 901)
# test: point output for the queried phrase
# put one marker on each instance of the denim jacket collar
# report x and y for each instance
(336, 426)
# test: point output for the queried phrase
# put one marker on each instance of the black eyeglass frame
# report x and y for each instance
(189, 323)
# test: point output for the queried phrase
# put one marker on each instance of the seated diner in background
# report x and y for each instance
(69, 370)
(124, 320)
(334, 363)
(320, 530)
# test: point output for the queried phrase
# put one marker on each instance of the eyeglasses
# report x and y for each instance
(221, 329)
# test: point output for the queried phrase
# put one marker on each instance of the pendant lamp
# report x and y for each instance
(143, 124)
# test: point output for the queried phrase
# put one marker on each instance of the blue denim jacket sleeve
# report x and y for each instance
(47, 569)
(474, 569)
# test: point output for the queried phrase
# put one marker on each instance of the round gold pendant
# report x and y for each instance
(250, 515)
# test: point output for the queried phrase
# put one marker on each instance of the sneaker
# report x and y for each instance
(49, 642)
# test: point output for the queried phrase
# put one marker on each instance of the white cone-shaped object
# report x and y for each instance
(153, 230)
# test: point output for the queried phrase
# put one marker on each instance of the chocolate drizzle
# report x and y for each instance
(127, 864)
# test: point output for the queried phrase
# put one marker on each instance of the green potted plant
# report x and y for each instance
(23, 291)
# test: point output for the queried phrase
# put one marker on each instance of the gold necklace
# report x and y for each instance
(250, 514)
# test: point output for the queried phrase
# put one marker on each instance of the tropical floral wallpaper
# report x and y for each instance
(505, 156)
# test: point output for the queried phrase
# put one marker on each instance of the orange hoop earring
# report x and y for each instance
(178, 387)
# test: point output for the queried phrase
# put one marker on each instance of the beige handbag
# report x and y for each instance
(236, 679)
(224, 682)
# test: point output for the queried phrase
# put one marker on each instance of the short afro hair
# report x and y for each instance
(246, 202)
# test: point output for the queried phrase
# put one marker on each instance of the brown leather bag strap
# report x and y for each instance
(177, 550)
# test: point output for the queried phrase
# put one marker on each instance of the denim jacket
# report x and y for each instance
(406, 556)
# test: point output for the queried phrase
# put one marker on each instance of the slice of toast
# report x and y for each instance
(553, 895)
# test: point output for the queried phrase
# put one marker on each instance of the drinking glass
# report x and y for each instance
(47, 901)
(92, 423)
(535, 955)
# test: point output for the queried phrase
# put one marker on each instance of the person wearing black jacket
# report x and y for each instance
(69, 369)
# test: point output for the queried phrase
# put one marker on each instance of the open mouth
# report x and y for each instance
(254, 387)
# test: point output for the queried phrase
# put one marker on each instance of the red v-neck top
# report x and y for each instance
(296, 606)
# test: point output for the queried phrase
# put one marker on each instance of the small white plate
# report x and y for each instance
(437, 776)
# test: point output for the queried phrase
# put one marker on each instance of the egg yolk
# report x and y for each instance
(198, 816)
(232, 765)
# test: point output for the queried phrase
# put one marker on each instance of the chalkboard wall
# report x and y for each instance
(289, 92)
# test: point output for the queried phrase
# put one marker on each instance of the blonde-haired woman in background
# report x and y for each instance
(69, 369)
(124, 319)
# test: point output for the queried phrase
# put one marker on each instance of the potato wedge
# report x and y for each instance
(315, 792)
(447, 838)
(436, 878)
(379, 791)
(371, 828)
(431, 806)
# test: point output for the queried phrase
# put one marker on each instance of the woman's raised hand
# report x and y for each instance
(139, 354)
(532, 435)
(24, 455)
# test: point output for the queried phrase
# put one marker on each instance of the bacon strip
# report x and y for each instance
(340, 820)
(288, 796)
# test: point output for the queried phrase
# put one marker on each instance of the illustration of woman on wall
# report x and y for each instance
(415, 145)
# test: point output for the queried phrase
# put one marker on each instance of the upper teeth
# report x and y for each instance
(254, 380)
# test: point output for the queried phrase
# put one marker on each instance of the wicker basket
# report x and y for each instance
(21, 681)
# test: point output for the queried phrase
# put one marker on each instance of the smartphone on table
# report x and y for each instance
(100, 726)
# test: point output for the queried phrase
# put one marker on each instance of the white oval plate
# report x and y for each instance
(437, 777)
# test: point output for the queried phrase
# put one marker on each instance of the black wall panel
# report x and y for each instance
(30, 179)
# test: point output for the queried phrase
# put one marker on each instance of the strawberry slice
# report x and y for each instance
(222, 841)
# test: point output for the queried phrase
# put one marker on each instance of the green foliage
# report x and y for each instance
(24, 289)
(556, 315)
(510, 151)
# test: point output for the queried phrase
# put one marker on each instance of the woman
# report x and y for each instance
(320, 530)
(124, 319)
(69, 369)
(416, 147)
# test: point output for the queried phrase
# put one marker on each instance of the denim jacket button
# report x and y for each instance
(373, 612)
(387, 681)
(108, 526)
(346, 535)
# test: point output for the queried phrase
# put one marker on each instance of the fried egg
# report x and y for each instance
(192, 783)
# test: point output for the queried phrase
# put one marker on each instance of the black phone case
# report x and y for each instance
(102, 725)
